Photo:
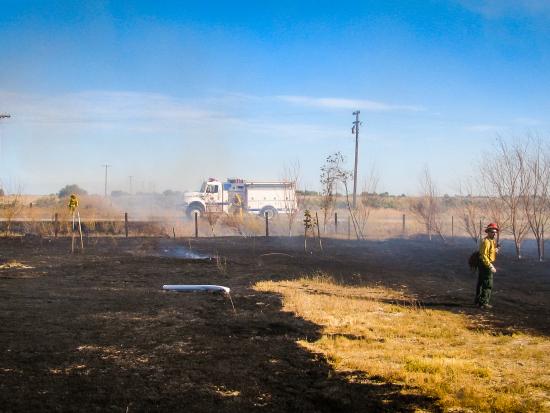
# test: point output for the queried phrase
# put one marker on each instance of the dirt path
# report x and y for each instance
(94, 332)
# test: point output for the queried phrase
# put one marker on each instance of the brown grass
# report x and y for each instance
(436, 352)
(382, 223)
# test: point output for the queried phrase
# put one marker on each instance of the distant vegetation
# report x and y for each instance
(71, 189)
(46, 201)
(307, 193)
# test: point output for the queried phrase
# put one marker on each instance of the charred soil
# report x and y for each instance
(94, 331)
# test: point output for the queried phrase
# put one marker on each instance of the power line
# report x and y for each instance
(106, 166)
(355, 129)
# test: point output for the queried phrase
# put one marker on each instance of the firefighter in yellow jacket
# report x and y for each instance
(237, 205)
(487, 255)
(73, 203)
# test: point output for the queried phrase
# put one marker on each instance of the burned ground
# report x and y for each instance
(95, 332)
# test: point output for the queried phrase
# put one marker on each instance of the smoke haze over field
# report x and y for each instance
(172, 94)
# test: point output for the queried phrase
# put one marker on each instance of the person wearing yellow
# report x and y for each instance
(73, 203)
(238, 205)
(488, 250)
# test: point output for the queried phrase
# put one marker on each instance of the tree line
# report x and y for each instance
(513, 182)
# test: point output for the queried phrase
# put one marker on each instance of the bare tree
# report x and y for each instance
(329, 179)
(471, 209)
(427, 208)
(504, 175)
(536, 201)
(333, 172)
(496, 211)
(10, 207)
(367, 197)
(344, 176)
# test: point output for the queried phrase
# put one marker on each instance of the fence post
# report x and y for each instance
(542, 242)
(349, 227)
(196, 224)
(403, 228)
(126, 224)
(318, 231)
(56, 224)
(336, 223)
(267, 224)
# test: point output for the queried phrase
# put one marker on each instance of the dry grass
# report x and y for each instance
(382, 223)
(437, 352)
(12, 264)
(221, 264)
(247, 225)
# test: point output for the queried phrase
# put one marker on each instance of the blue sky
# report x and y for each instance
(173, 92)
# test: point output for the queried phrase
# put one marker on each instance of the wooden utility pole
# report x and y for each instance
(355, 129)
(106, 166)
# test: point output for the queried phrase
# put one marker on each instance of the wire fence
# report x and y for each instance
(380, 224)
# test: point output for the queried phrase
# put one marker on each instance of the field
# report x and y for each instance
(94, 331)
(155, 214)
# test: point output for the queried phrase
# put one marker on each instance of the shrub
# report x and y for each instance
(71, 189)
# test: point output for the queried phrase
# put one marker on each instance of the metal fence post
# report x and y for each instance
(266, 224)
(542, 242)
(56, 224)
(336, 223)
(126, 224)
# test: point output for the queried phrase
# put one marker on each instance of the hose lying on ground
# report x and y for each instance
(194, 288)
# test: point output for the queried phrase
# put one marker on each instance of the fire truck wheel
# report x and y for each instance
(195, 210)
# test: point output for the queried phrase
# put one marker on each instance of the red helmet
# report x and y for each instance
(492, 227)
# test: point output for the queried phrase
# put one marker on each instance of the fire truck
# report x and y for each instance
(241, 196)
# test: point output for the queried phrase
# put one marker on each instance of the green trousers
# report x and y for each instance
(484, 285)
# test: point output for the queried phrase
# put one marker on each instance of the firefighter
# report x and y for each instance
(73, 203)
(487, 255)
(238, 205)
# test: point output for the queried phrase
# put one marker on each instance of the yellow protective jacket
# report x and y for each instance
(237, 200)
(488, 252)
(73, 203)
